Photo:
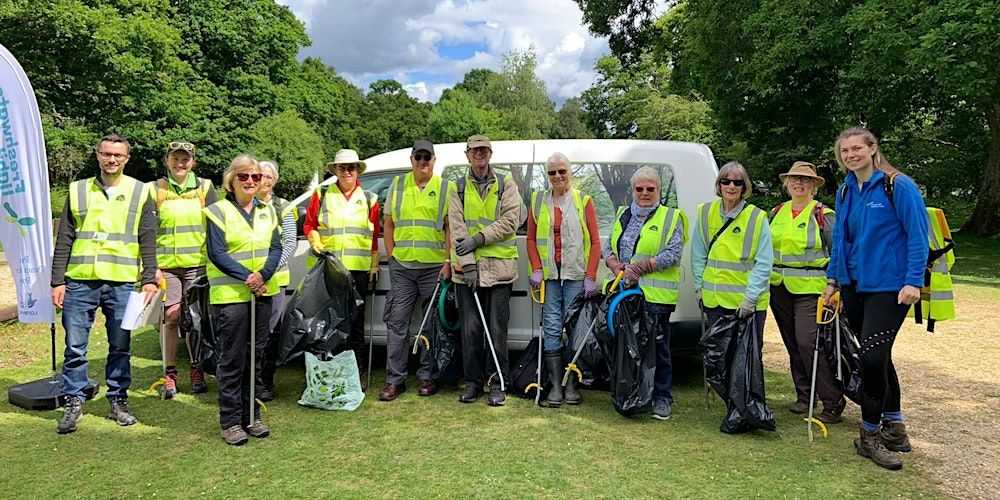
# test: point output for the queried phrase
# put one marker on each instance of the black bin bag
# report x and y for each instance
(197, 321)
(735, 370)
(630, 342)
(849, 356)
(317, 317)
(446, 344)
(593, 363)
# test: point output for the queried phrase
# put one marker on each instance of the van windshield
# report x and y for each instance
(607, 183)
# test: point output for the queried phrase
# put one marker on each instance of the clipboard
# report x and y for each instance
(138, 315)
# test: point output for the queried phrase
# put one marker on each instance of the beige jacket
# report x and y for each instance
(492, 271)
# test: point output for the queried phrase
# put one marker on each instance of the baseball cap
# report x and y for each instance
(478, 141)
(423, 145)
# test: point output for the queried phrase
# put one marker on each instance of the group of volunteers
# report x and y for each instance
(116, 231)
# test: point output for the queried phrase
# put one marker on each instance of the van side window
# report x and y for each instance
(607, 183)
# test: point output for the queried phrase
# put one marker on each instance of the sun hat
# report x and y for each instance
(346, 157)
(803, 169)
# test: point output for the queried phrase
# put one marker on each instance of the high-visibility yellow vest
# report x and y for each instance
(247, 244)
(280, 206)
(731, 258)
(418, 218)
(480, 213)
(541, 203)
(345, 228)
(937, 299)
(800, 259)
(107, 230)
(660, 286)
(180, 237)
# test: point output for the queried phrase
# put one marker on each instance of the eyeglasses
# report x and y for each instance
(186, 146)
(481, 150)
(112, 156)
(735, 182)
(243, 176)
(347, 168)
(648, 189)
(553, 173)
(267, 176)
(799, 178)
(424, 157)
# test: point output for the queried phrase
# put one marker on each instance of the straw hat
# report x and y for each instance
(346, 157)
(803, 169)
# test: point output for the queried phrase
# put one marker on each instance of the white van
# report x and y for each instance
(601, 168)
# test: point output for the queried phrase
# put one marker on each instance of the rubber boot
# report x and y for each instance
(870, 446)
(553, 368)
(572, 394)
(894, 436)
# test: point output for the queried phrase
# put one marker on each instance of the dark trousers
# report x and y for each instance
(876, 319)
(356, 337)
(408, 286)
(796, 318)
(233, 328)
(476, 357)
(664, 376)
(273, 332)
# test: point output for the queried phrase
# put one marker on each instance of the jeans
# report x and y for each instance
(81, 303)
(663, 379)
(559, 294)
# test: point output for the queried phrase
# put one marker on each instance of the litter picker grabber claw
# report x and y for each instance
(704, 368)
(537, 384)
(820, 321)
(371, 333)
(489, 341)
(420, 331)
(572, 368)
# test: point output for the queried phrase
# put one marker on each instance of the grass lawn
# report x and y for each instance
(975, 259)
(420, 447)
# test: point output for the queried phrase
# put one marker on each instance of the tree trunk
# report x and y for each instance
(985, 218)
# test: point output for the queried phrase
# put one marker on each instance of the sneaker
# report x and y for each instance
(120, 413)
(661, 409)
(198, 385)
(265, 393)
(894, 436)
(170, 386)
(470, 394)
(497, 397)
(258, 429)
(235, 436)
(72, 415)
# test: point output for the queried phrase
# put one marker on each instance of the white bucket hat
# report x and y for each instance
(346, 157)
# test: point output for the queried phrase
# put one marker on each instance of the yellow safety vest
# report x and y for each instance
(937, 300)
(247, 244)
(280, 206)
(660, 286)
(180, 238)
(418, 218)
(345, 228)
(799, 257)
(480, 213)
(107, 230)
(731, 258)
(545, 232)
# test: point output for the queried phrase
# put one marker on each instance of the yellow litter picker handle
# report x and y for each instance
(618, 279)
(821, 308)
(541, 294)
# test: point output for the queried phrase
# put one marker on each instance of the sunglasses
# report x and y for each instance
(735, 182)
(648, 189)
(243, 176)
(423, 157)
(553, 173)
(346, 168)
(186, 146)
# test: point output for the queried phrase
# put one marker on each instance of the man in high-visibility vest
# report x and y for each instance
(416, 242)
(484, 214)
(106, 242)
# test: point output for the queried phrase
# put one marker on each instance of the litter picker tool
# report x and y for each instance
(489, 341)
(704, 368)
(253, 355)
(572, 368)
(420, 331)
(371, 333)
(820, 321)
(537, 384)
(161, 383)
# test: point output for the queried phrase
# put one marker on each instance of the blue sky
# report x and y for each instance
(429, 45)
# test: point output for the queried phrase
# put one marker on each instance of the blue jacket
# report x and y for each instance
(886, 240)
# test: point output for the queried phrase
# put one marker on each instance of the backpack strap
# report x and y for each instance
(889, 184)
(202, 190)
(161, 192)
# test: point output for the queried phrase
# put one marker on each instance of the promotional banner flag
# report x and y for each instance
(26, 213)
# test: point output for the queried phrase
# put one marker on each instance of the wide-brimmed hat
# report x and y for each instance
(346, 157)
(803, 169)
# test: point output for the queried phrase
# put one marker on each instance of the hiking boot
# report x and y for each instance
(661, 409)
(198, 385)
(799, 407)
(391, 391)
(553, 370)
(72, 415)
(120, 413)
(470, 394)
(170, 386)
(235, 436)
(894, 436)
(497, 397)
(258, 429)
(870, 446)
(427, 387)
(265, 393)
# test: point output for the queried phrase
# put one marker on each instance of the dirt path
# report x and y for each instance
(950, 391)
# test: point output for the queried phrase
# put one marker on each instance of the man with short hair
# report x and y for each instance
(484, 215)
(416, 242)
(107, 228)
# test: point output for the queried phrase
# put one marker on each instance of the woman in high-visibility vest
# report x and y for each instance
(289, 239)
(180, 248)
(564, 249)
(344, 220)
(877, 261)
(802, 234)
(646, 244)
(244, 247)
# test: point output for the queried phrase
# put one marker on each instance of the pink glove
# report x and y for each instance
(536, 279)
(614, 265)
(646, 266)
(589, 287)
(632, 274)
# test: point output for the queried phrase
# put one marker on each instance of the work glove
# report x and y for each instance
(315, 242)
(589, 287)
(646, 266)
(697, 297)
(471, 277)
(373, 273)
(632, 274)
(614, 265)
(535, 280)
(747, 307)
(465, 246)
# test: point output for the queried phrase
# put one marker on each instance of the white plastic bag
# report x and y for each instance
(333, 384)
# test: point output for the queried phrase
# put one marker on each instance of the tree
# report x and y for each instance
(289, 141)
(625, 23)
(330, 104)
(569, 122)
(390, 119)
(460, 115)
(520, 97)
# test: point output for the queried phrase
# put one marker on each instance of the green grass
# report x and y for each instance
(976, 259)
(418, 447)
